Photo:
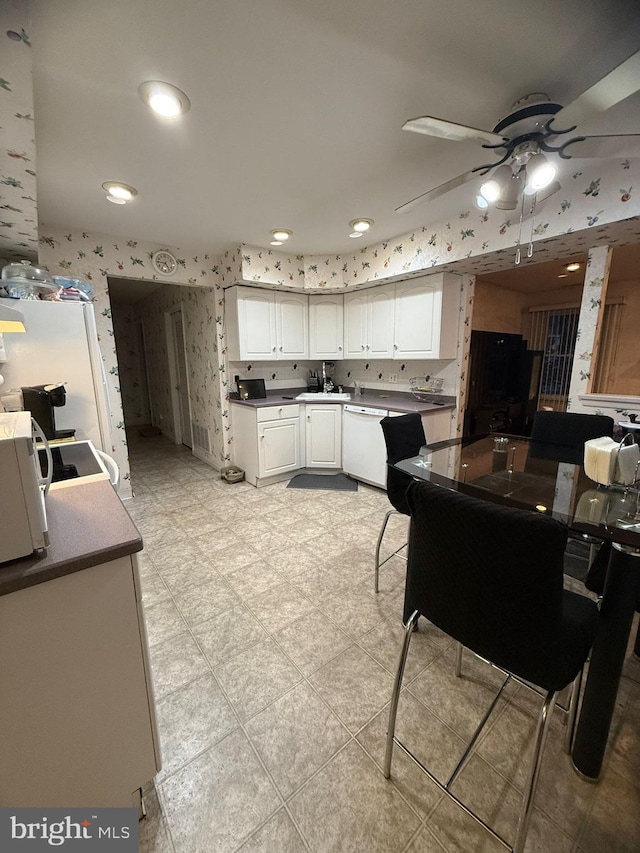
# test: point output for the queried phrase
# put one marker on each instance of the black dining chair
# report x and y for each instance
(560, 436)
(404, 436)
(491, 577)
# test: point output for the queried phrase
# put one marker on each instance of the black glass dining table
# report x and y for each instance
(514, 471)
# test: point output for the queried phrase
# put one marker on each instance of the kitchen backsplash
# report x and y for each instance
(371, 374)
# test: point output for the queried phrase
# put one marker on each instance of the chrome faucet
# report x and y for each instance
(327, 382)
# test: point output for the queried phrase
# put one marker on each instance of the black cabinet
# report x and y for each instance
(504, 381)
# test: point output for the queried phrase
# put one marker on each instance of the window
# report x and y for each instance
(554, 331)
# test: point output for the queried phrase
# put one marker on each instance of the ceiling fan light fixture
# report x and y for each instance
(360, 224)
(490, 190)
(511, 191)
(494, 186)
(542, 195)
(540, 173)
(164, 99)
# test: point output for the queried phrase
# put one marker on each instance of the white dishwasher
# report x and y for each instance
(364, 453)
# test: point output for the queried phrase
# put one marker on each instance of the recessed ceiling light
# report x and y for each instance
(276, 243)
(355, 234)
(120, 190)
(281, 234)
(115, 200)
(563, 275)
(361, 224)
(165, 100)
(572, 267)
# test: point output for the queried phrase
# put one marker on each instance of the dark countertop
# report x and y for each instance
(396, 401)
(88, 525)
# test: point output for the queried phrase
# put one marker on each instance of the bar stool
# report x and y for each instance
(491, 578)
(404, 436)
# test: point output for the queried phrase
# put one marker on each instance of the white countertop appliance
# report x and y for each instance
(23, 520)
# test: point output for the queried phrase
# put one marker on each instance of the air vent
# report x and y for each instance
(201, 437)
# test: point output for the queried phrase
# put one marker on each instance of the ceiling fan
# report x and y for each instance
(535, 127)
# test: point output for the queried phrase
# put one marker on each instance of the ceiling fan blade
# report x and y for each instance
(436, 192)
(613, 88)
(432, 126)
(614, 145)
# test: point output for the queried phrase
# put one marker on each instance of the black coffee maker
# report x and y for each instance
(41, 400)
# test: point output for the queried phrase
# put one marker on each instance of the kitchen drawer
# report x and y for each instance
(277, 413)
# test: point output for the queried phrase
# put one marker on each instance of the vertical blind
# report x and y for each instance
(554, 330)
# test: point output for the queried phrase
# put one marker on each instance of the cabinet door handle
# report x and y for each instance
(280, 349)
(273, 350)
(362, 346)
(339, 349)
(262, 437)
(395, 346)
(308, 417)
(367, 346)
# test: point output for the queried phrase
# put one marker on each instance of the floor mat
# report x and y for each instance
(331, 482)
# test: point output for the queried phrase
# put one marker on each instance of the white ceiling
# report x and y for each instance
(296, 107)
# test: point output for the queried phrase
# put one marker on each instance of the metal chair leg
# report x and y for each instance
(542, 730)
(377, 562)
(395, 696)
(572, 712)
(459, 660)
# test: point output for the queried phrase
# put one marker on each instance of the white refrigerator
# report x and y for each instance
(61, 345)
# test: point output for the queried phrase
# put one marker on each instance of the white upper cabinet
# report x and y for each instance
(426, 317)
(415, 319)
(266, 325)
(380, 322)
(292, 325)
(355, 324)
(368, 323)
(326, 326)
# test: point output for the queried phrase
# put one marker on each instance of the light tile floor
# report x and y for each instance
(272, 662)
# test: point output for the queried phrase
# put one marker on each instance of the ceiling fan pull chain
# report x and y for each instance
(533, 225)
(520, 231)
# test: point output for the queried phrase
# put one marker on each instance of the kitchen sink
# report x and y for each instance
(317, 397)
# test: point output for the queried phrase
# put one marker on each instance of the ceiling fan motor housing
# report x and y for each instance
(526, 123)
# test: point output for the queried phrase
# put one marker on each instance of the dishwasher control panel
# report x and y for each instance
(367, 410)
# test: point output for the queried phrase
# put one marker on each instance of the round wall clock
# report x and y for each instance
(164, 262)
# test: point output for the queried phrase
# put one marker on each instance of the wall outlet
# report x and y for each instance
(393, 377)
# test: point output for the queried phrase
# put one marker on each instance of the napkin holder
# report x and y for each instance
(607, 462)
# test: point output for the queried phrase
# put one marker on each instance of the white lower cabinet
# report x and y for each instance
(76, 704)
(272, 442)
(268, 442)
(278, 447)
(323, 428)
